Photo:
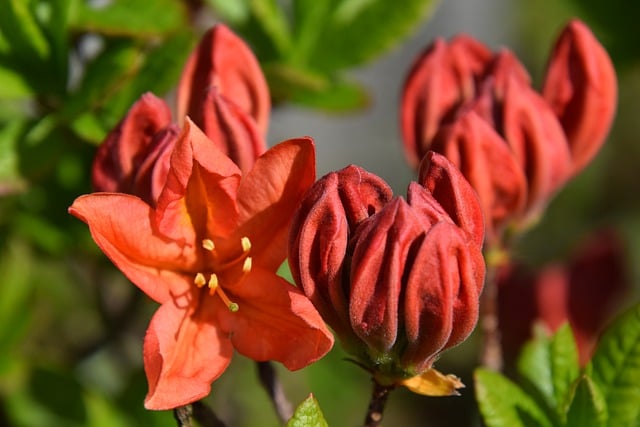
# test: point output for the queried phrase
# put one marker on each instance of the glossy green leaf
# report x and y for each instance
(356, 31)
(141, 18)
(564, 363)
(550, 365)
(588, 407)
(615, 369)
(308, 414)
(504, 404)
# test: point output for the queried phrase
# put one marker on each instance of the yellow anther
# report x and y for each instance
(199, 280)
(246, 266)
(246, 244)
(213, 284)
(208, 244)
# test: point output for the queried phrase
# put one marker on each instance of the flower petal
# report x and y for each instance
(223, 60)
(184, 352)
(275, 321)
(270, 193)
(121, 226)
(198, 200)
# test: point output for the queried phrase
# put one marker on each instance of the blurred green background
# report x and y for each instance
(71, 326)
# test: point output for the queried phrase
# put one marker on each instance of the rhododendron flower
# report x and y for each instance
(222, 89)
(584, 292)
(207, 251)
(397, 280)
(548, 136)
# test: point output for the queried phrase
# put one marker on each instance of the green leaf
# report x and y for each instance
(356, 31)
(504, 404)
(234, 12)
(290, 83)
(308, 414)
(10, 178)
(13, 84)
(588, 407)
(60, 393)
(550, 365)
(20, 28)
(615, 368)
(564, 363)
(141, 18)
(274, 23)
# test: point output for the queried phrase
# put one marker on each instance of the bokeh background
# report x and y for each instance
(71, 325)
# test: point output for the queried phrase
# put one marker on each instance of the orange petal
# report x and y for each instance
(275, 321)
(121, 226)
(269, 195)
(224, 61)
(433, 383)
(184, 352)
(199, 196)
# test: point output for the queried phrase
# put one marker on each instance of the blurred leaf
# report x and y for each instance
(141, 18)
(564, 363)
(60, 393)
(504, 404)
(355, 31)
(274, 23)
(308, 414)
(55, 16)
(588, 407)
(10, 178)
(88, 127)
(312, 89)
(15, 291)
(234, 12)
(102, 412)
(104, 77)
(310, 18)
(13, 84)
(616, 368)
(20, 28)
(534, 366)
(42, 232)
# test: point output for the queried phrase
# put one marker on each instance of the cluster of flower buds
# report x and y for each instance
(397, 280)
(222, 89)
(516, 146)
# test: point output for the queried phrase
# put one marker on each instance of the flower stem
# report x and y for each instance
(491, 352)
(269, 381)
(376, 404)
(205, 415)
(182, 415)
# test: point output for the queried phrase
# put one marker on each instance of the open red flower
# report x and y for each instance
(207, 252)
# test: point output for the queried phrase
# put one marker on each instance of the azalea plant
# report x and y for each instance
(205, 274)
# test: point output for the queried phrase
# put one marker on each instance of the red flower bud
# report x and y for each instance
(222, 60)
(442, 78)
(580, 85)
(143, 134)
(397, 280)
(487, 162)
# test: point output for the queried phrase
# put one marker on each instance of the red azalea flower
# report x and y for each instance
(207, 252)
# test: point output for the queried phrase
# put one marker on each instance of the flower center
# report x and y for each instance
(214, 282)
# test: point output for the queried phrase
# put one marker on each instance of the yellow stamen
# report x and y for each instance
(246, 244)
(215, 289)
(199, 280)
(208, 244)
(246, 266)
(213, 284)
